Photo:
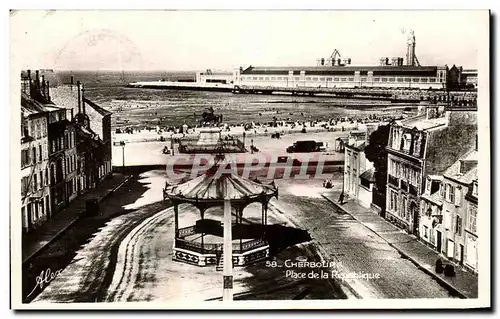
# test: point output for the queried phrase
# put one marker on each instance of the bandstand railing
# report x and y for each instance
(217, 248)
(186, 231)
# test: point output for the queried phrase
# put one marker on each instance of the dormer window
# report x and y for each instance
(428, 185)
(406, 142)
(474, 189)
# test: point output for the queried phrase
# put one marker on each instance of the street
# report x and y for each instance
(130, 258)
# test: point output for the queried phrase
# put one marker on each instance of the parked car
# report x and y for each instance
(303, 147)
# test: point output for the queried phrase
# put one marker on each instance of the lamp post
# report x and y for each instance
(122, 144)
(227, 292)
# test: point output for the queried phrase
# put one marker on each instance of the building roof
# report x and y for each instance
(404, 68)
(434, 198)
(96, 107)
(211, 187)
(368, 175)
(421, 123)
(454, 171)
(358, 145)
(30, 106)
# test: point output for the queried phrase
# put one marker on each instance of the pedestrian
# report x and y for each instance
(341, 198)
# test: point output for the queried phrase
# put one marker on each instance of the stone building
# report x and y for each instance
(471, 236)
(35, 193)
(426, 144)
(94, 128)
(457, 182)
(358, 171)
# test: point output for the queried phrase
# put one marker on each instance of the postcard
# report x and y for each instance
(261, 159)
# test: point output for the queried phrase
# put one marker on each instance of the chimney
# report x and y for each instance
(42, 91)
(71, 83)
(37, 80)
(29, 82)
(78, 91)
(83, 102)
(48, 91)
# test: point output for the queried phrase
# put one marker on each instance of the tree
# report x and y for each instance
(376, 153)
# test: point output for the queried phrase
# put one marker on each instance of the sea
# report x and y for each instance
(151, 108)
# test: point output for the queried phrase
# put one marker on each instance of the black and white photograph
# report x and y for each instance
(271, 159)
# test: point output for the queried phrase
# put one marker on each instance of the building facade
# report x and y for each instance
(35, 193)
(471, 236)
(458, 178)
(387, 76)
(358, 183)
(426, 144)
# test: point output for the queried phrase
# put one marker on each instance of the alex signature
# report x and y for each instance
(45, 277)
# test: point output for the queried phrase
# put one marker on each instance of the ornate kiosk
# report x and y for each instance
(218, 188)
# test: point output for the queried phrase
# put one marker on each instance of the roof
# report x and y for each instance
(434, 198)
(211, 187)
(368, 175)
(359, 145)
(257, 69)
(30, 106)
(421, 123)
(96, 107)
(467, 177)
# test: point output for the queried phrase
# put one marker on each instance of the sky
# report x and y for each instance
(223, 40)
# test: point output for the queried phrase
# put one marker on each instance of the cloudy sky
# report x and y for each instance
(221, 40)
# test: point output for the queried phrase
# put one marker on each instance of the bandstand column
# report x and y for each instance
(176, 220)
(227, 294)
(240, 222)
(202, 212)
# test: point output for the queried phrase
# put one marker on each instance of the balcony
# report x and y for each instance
(413, 190)
(393, 180)
(404, 185)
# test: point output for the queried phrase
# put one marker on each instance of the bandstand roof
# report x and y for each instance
(213, 188)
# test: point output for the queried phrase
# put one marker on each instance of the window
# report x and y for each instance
(266, 78)
(297, 78)
(472, 215)
(34, 154)
(403, 208)
(384, 79)
(336, 79)
(261, 78)
(458, 225)
(432, 80)
(407, 79)
(255, 78)
(423, 80)
(474, 189)
(47, 204)
(46, 175)
(273, 78)
(393, 201)
(328, 79)
(41, 179)
(400, 79)
(39, 153)
(406, 142)
(448, 220)
(351, 79)
(458, 196)
(35, 182)
(376, 79)
(363, 79)
(426, 232)
(451, 193)
(344, 79)
(391, 79)
(308, 78)
(428, 185)
(416, 80)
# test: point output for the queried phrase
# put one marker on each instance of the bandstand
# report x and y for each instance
(220, 187)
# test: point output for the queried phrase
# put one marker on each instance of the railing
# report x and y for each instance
(404, 185)
(413, 190)
(217, 248)
(256, 243)
(186, 231)
(393, 180)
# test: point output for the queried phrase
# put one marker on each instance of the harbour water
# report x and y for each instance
(139, 107)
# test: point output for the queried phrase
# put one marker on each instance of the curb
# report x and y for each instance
(404, 254)
(78, 216)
